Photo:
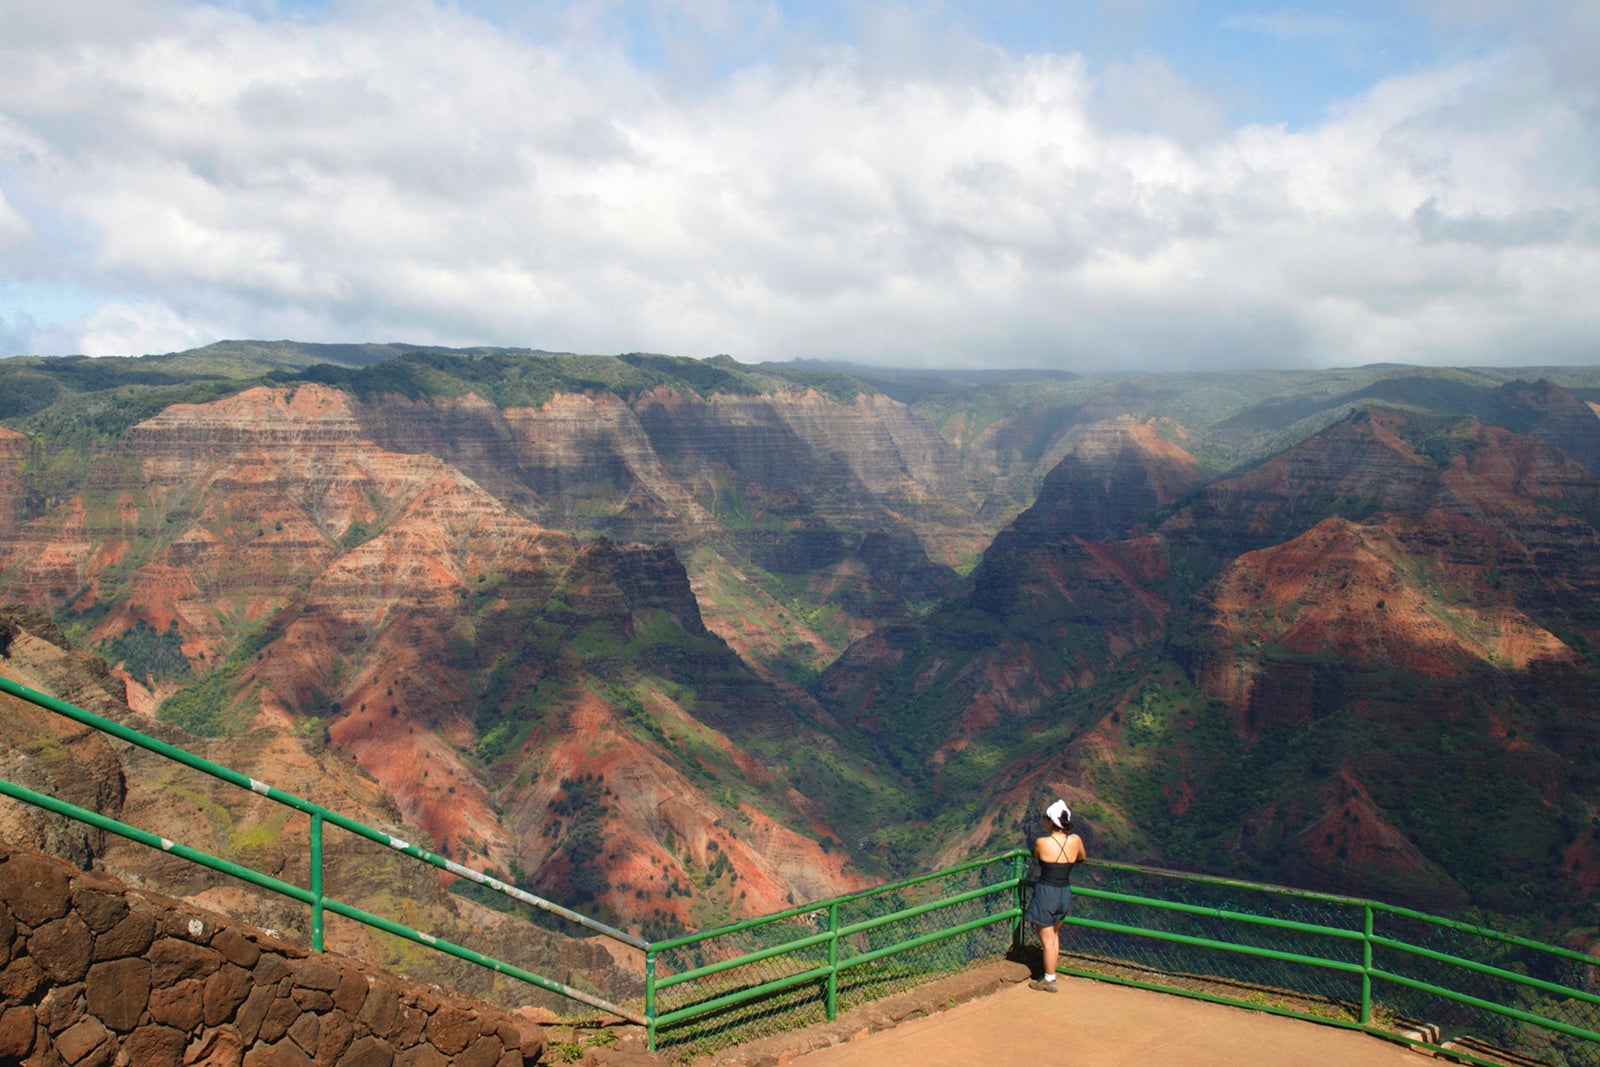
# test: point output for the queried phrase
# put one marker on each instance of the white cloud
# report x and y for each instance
(138, 327)
(15, 336)
(414, 172)
(14, 235)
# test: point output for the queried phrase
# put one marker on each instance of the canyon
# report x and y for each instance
(677, 641)
(1300, 672)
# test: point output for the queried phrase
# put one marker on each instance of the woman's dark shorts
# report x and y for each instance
(1049, 905)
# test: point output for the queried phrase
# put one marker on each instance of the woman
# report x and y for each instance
(1056, 852)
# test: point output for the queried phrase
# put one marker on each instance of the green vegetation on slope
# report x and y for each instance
(519, 379)
(148, 653)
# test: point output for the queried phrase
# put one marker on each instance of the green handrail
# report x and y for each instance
(156, 841)
(1485, 932)
(1243, 917)
(312, 896)
(319, 815)
(1488, 969)
(805, 909)
(1367, 969)
(926, 939)
(243, 781)
(1222, 946)
(836, 931)
(1490, 1006)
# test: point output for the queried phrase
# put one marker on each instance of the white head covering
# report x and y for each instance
(1059, 813)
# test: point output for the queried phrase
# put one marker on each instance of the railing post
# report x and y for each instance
(313, 895)
(1366, 964)
(1019, 869)
(316, 882)
(650, 1000)
(833, 961)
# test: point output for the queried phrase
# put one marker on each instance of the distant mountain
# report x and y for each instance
(806, 508)
(911, 384)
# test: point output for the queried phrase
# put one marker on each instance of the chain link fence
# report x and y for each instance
(1340, 960)
(1470, 1026)
(1309, 958)
(758, 978)
(1264, 981)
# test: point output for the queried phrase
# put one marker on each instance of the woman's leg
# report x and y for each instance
(1050, 938)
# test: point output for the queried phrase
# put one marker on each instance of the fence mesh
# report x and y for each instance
(1473, 1027)
(1323, 991)
(806, 1003)
(1193, 968)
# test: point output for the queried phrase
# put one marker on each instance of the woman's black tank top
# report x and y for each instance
(1055, 873)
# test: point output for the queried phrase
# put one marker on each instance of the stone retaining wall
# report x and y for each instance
(94, 974)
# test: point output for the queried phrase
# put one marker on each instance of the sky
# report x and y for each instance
(1087, 185)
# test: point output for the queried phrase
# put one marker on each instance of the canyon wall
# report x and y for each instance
(1311, 671)
(678, 641)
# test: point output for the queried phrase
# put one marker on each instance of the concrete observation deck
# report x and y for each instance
(1086, 1023)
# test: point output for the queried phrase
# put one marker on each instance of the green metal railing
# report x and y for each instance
(806, 964)
(699, 990)
(1344, 961)
(312, 895)
(1448, 986)
(1441, 984)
